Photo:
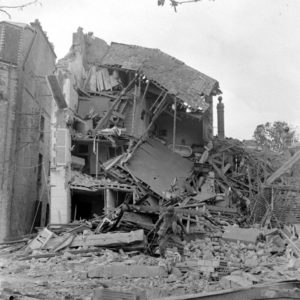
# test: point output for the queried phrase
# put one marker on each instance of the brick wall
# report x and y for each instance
(29, 103)
(8, 91)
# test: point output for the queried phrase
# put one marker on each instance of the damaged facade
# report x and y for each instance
(141, 194)
(26, 57)
(123, 110)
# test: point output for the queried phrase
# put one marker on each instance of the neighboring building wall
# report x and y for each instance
(8, 92)
(29, 124)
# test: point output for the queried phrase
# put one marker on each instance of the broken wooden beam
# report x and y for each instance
(56, 91)
(284, 168)
(108, 239)
(102, 123)
(159, 210)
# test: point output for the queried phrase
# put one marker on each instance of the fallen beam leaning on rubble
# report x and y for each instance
(158, 210)
(284, 168)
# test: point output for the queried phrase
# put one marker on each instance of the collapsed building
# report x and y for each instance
(124, 121)
(26, 57)
(131, 132)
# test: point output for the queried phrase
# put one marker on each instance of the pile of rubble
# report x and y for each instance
(208, 264)
(230, 238)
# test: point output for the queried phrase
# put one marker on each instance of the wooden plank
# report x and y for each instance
(188, 224)
(142, 220)
(226, 168)
(153, 210)
(102, 123)
(174, 124)
(108, 239)
(57, 92)
(284, 168)
(68, 238)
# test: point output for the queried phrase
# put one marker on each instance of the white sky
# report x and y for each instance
(252, 47)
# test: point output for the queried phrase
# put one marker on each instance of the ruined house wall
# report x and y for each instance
(8, 91)
(70, 71)
(33, 136)
(29, 100)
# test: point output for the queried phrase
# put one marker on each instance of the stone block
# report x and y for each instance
(245, 235)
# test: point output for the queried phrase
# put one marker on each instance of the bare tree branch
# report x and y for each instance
(5, 12)
(4, 8)
(19, 6)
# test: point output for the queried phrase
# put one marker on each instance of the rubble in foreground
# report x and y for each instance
(210, 264)
(224, 247)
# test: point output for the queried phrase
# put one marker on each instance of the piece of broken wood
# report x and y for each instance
(108, 239)
(284, 168)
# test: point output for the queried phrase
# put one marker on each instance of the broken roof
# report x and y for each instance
(180, 80)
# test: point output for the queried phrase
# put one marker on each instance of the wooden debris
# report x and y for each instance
(41, 240)
(284, 168)
(108, 239)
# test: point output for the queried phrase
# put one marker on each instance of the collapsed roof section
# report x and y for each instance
(166, 72)
(177, 78)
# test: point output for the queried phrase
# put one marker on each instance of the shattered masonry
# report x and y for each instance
(139, 196)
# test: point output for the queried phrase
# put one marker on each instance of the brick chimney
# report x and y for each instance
(220, 116)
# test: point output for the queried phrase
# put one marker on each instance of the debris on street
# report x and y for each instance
(142, 200)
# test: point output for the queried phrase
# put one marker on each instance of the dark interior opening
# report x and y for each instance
(85, 204)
